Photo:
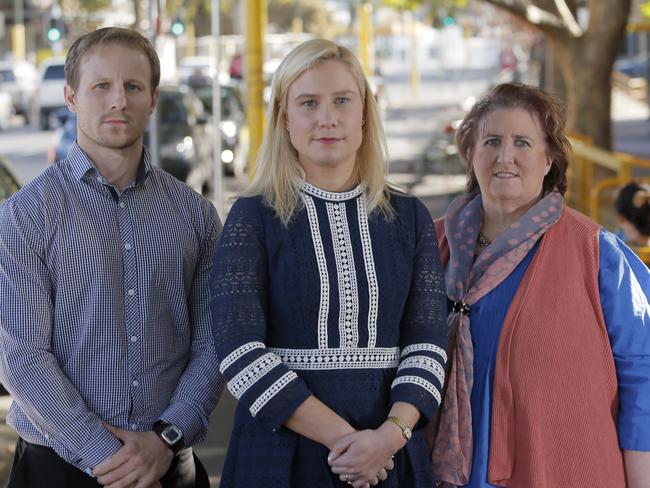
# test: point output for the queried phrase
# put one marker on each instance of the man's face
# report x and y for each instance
(113, 101)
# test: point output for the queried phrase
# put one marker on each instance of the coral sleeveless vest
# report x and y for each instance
(555, 393)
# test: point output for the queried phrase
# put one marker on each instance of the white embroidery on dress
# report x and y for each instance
(347, 276)
(271, 391)
(237, 353)
(425, 347)
(426, 363)
(334, 358)
(330, 195)
(416, 380)
(373, 287)
(324, 306)
(252, 373)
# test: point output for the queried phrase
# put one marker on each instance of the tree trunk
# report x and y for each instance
(585, 61)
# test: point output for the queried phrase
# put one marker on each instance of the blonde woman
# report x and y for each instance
(327, 296)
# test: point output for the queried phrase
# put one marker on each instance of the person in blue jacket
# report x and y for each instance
(327, 295)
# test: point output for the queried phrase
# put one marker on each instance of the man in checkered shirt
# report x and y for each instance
(105, 340)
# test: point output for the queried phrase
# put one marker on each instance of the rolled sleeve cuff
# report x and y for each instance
(102, 445)
(634, 432)
(188, 420)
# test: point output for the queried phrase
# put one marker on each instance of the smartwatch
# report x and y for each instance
(170, 435)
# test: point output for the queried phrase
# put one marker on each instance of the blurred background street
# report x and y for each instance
(428, 61)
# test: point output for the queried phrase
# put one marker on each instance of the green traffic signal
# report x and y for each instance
(178, 27)
(54, 34)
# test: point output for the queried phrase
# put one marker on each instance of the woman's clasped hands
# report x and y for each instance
(364, 458)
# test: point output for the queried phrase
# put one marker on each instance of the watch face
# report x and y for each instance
(171, 434)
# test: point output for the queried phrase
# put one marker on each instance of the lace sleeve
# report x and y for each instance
(420, 375)
(255, 376)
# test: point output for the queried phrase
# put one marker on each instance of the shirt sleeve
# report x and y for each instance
(201, 383)
(28, 369)
(256, 377)
(624, 283)
(423, 335)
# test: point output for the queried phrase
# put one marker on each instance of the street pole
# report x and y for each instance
(18, 31)
(217, 164)
(366, 38)
(255, 26)
(154, 25)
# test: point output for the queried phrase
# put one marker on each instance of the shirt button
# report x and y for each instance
(131, 292)
(127, 246)
(99, 178)
(134, 338)
(136, 383)
(134, 426)
(122, 204)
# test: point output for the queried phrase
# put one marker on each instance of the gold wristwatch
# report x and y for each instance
(406, 430)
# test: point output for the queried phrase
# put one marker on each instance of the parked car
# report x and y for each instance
(19, 78)
(233, 148)
(6, 110)
(49, 91)
(9, 183)
(185, 147)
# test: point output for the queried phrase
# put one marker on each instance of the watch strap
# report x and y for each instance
(159, 427)
(406, 430)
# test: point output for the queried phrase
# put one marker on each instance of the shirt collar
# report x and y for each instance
(81, 164)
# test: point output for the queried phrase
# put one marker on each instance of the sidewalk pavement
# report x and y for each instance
(411, 120)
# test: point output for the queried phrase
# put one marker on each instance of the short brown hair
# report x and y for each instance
(551, 113)
(107, 35)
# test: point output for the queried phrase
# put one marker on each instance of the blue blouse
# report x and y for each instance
(624, 283)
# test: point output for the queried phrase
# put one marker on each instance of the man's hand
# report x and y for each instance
(364, 458)
(140, 463)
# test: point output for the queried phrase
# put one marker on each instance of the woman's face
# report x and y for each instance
(509, 158)
(324, 117)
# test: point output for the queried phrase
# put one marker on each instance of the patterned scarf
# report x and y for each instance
(467, 281)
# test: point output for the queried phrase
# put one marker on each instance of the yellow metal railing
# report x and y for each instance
(595, 173)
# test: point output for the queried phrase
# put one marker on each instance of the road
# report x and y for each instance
(412, 120)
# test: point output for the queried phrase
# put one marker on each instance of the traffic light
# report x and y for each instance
(449, 20)
(55, 30)
(178, 26)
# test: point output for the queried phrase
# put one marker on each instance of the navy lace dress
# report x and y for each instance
(340, 305)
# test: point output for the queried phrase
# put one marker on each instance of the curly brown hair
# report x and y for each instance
(550, 112)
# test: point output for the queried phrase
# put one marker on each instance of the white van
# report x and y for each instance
(49, 92)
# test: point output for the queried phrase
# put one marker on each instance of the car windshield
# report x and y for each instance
(230, 106)
(54, 72)
(7, 75)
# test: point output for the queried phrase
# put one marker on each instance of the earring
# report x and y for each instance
(363, 122)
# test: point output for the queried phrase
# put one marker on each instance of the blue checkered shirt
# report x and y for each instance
(105, 311)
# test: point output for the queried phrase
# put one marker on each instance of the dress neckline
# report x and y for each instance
(332, 196)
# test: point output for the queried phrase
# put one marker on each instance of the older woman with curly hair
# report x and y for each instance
(549, 378)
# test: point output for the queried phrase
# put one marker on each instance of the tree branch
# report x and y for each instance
(543, 19)
(568, 18)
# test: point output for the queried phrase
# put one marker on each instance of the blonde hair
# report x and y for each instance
(279, 177)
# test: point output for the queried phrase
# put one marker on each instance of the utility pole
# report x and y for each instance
(18, 31)
(217, 163)
(366, 38)
(254, 60)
